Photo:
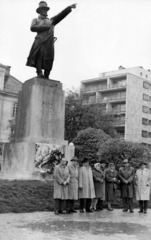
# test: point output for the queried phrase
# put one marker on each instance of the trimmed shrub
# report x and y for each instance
(115, 150)
(87, 143)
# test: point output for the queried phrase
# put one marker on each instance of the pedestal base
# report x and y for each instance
(22, 159)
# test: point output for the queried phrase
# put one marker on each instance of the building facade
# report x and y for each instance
(125, 93)
(9, 89)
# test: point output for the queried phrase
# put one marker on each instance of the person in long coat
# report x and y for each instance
(61, 181)
(41, 55)
(126, 175)
(103, 169)
(73, 185)
(86, 186)
(143, 181)
(98, 177)
(111, 178)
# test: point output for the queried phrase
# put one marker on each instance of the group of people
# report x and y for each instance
(92, 186)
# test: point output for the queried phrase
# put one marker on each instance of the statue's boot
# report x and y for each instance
(47, 73)
(39, 67)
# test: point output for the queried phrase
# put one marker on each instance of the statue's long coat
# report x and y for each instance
(45, 38)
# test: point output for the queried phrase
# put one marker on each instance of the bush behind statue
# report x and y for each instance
(87, 143)
(116, 150)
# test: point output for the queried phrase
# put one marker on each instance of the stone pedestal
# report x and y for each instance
(40, 120)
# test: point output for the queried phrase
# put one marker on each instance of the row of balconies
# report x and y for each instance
(103, 87)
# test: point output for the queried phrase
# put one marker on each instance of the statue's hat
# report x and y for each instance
(41, 6)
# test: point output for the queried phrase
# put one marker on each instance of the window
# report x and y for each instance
(149, 134)
(146, 76)
(145, 97)
(145, 121)
(150, 110)
(149, 122)
(145, 109)
(146, 85)
(14, 109)
(149, 98)
(149, 146)
(141, 74)
(144, 134)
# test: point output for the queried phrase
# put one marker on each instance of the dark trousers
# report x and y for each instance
(128, 203)
(143, 205)
(59, 204)
(39, 62)
(69, 205)
(87, 202)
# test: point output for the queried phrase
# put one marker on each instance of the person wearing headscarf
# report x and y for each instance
(98, 177)
(86, 186)
(61, 181)
(143, 181)
(126, 175)
(73, 185)
(111, 178)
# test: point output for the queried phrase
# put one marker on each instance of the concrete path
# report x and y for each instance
(103, 225)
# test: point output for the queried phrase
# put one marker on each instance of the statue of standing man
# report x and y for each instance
(41, 55)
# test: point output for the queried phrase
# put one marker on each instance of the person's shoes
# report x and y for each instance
(110, 209)
(101, 208)
(89, 210)
(62, 212)
(125, 210)
(140, 211)
(145, 211)
(56, 212)
(68, 211)
(73, 211)
(81, 210)
(131, 211)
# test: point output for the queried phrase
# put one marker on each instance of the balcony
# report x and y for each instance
(113, 99)
(119, 123)
(117, 111)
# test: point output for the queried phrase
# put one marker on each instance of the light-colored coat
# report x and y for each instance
(73, 183)
(143, 179)
(61, 174)
(86, 183)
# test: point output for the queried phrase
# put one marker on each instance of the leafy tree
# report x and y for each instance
(80, 116)
(87, 143)
(115, 150)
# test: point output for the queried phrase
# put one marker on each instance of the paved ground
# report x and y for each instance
(103, 225)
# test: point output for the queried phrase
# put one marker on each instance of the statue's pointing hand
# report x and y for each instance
(73, 5)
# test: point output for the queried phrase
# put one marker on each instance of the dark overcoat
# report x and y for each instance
(98, 177)
(110, 184)
(44, 38)
(128, 174)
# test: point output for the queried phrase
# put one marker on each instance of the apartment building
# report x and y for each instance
(9, 89)
(125, 93)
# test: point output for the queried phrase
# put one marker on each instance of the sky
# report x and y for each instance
(98, 36)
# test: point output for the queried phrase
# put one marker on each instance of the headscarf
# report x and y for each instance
(96, 164)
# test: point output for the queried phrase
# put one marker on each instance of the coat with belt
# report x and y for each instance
(110, 184)
(127, 189)
(44, 38)
(86, 184)
(73, 183)
(143, 178)
(61, 174)
(99, 179)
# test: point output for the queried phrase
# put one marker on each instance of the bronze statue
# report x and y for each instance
(41, 55)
